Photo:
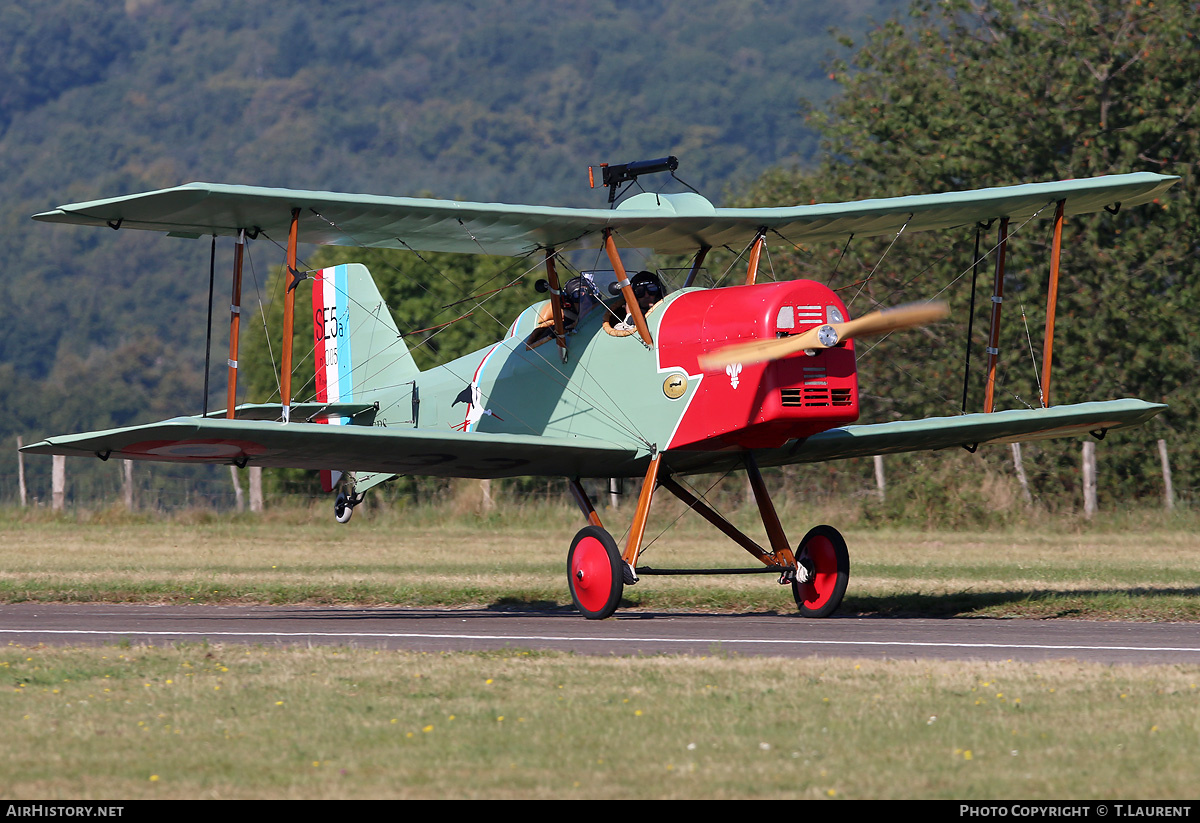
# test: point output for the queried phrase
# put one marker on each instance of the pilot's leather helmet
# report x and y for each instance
(647, 284)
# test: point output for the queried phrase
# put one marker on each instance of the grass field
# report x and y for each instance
(196, 721)
(1132, 569)
(199, 721)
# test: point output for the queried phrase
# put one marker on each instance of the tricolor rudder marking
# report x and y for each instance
(331, 333)
(331, 325)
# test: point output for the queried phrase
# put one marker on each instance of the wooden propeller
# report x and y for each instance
(825, 336)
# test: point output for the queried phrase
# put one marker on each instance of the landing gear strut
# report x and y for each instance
(818, 570)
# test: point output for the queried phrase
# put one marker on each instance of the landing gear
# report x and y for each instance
(343, 506)
(818, 570)
(594, 573)
(823, 571)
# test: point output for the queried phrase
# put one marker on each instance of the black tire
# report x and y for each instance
(343, 510)
(825, 549)
(594, 573)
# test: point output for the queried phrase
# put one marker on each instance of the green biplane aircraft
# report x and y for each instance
(611, 376)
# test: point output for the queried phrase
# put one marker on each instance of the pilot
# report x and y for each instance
(571, 298)
(647, 290)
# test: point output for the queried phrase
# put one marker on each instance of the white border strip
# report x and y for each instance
(576, 638)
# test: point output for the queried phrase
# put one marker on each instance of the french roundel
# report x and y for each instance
(210, 449)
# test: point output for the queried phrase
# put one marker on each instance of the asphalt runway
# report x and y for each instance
(629, 633)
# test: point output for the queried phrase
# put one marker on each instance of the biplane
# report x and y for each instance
(611, 374)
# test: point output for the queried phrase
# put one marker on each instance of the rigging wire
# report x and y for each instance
(737, 258)
(954, 280)
(212, 276)
(628, 427)
(971, 317)
(1033, 358)
(838, 264)
(263, 312)
(880, 261)
(686, 508)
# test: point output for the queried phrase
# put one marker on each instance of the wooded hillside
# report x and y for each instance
(511, 100)
(505, 100)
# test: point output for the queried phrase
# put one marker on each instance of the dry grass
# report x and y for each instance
(233, 722)
(1130, 571)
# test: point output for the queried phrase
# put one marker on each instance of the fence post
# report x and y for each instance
(1168, 490)
(128, 470)
(1089, 478)
(237, 489)
(58, 482)
(21, 470)
(256, 494)
(879, 481)
(1020, 467)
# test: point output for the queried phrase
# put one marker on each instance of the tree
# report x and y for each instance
(971, 94)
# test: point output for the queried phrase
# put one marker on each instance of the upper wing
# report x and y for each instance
(349, 448)
(668, 223)
(969, 430)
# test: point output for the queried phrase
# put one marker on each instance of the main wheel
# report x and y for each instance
(823, 552)
(594, 573)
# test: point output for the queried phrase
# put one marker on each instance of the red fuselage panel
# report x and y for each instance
(760, 405)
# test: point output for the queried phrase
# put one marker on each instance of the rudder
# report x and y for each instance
(358, 349)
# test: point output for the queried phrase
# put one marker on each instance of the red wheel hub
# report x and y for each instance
(825, 567)
(591, 573)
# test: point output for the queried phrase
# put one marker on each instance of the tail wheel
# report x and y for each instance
(343, 506)
(823, 553)
(594, 573)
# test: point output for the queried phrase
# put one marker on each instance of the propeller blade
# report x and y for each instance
(825, 336)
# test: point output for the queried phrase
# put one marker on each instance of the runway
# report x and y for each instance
(629, 633)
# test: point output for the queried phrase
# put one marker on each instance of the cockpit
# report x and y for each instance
(597, 290)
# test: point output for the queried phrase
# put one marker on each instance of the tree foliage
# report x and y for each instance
(968, 94)
(504, 100)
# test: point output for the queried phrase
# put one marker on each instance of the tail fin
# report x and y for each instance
(359, 351)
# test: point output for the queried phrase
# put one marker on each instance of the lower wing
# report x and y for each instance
(932, 433)
(484, 455)
(350, 448)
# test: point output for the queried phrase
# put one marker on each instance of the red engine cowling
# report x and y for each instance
(761, 405)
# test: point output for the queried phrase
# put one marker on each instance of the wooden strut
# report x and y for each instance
(633, 546)
(781, 559)
(1051, 304)
(993, 349)
(560, 334)
(697, 263)
(235, 313)
(766, 509)
(724, 526)
(289, 318)
(585, 503)
(631, 304)
(755, 253)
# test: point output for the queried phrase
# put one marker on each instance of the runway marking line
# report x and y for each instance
(574, 638)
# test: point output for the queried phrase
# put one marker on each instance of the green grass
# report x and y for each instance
(201, 721)
(213, 721)
(1127, 568)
